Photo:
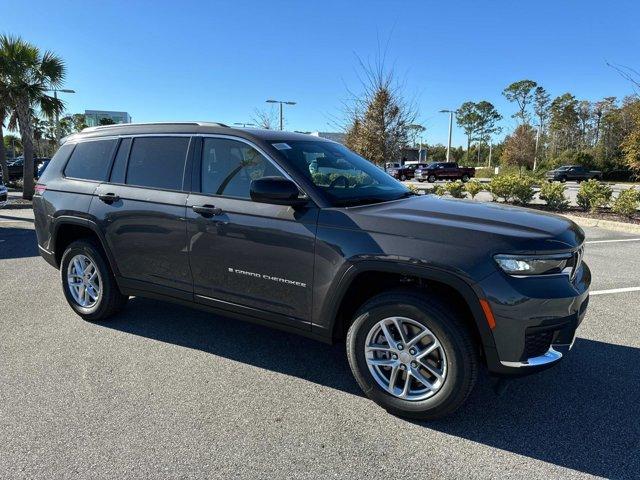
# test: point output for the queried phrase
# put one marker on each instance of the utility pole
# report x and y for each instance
(57, 119)
(281, 102)
(450, 112)
(535, 155)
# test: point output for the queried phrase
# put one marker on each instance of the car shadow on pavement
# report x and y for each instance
(583, 414)
(17, 242)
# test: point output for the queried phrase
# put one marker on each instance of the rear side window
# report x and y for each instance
(90, 160)
(56, 163)
(120, 163)
(157, 162)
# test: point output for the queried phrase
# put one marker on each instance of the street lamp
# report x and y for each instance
(281, 102)
(450, 112)
(245, 124)
(55, 95)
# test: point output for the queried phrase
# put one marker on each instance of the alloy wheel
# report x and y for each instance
(84, 281)
(405, 358)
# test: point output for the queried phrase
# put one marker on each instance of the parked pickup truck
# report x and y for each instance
(444, 171)
(572, 172)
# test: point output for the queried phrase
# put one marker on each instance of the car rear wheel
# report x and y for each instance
(431, 178)
(412, 355)
(403, 177)
(465, 178)
(88, 283)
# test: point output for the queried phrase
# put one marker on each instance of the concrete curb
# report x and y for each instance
(606, 224)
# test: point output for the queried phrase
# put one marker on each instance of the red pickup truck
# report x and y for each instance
(444, 171)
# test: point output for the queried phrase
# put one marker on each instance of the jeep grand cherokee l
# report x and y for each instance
(302, 234)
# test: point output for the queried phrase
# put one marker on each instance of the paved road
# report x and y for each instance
(167, 392)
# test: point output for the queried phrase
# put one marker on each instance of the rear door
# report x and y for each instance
(248, 257)
(142, 213)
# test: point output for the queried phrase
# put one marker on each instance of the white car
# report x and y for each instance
(3, 194)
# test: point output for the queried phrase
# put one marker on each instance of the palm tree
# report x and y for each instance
(25, 76)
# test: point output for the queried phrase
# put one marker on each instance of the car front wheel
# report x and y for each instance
(88, 283)
(431, 178)
(465, 178)
(412, 355)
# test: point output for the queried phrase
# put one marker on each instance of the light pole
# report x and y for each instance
(245, 124)
(450, 112)
(55, 95)
(281, 102)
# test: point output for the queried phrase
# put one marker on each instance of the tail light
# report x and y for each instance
(40, 188)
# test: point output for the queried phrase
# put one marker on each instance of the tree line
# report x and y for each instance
(602, 134)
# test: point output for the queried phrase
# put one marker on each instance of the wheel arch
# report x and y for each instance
(368, 278)
(67, 229)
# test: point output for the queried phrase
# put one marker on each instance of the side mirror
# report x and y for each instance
(276, 190)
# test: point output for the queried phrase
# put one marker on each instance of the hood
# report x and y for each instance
(490, 226)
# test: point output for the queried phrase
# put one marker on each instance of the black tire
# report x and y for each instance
(454, 336)
(431, 178)
(563, 179)
(403, 177)
(465, 178)
(111, 300)
(420, 180)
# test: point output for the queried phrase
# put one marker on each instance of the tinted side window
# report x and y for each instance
(157, 162)
(229, 166)
(90, 160)
(118, 171)
(56, 162)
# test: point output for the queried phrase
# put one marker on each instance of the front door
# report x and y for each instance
(245, 256)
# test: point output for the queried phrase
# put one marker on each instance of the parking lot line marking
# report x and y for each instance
(615, 290)
(615, 240)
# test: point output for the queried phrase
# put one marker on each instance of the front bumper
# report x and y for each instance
(536, 319)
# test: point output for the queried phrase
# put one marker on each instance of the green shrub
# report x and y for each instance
(501, 186)
(456, 189)
(523, 189)
(553, 195)
(485, 172)
(413, 188)
(473, 188)
(440, 190)
(593, 195)
(512, 188)
(627, 203)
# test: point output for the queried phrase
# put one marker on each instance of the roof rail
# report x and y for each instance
(123, 125)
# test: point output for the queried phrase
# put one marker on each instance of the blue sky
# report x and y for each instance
(190, 60)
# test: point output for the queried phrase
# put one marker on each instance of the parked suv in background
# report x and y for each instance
(16, 168)
(572, 172)
(444, 171)
(257, 225)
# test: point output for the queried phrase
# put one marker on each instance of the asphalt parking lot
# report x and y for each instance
(167, 392)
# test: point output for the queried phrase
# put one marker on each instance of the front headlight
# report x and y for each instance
(533, 264)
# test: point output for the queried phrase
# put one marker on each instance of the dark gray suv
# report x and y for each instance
(302, 234)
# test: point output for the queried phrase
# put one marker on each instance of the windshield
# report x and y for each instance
(344, 178)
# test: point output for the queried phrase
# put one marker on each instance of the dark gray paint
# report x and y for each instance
(164, 249)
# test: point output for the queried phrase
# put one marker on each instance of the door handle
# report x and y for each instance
(108, 197)
(206, 211)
